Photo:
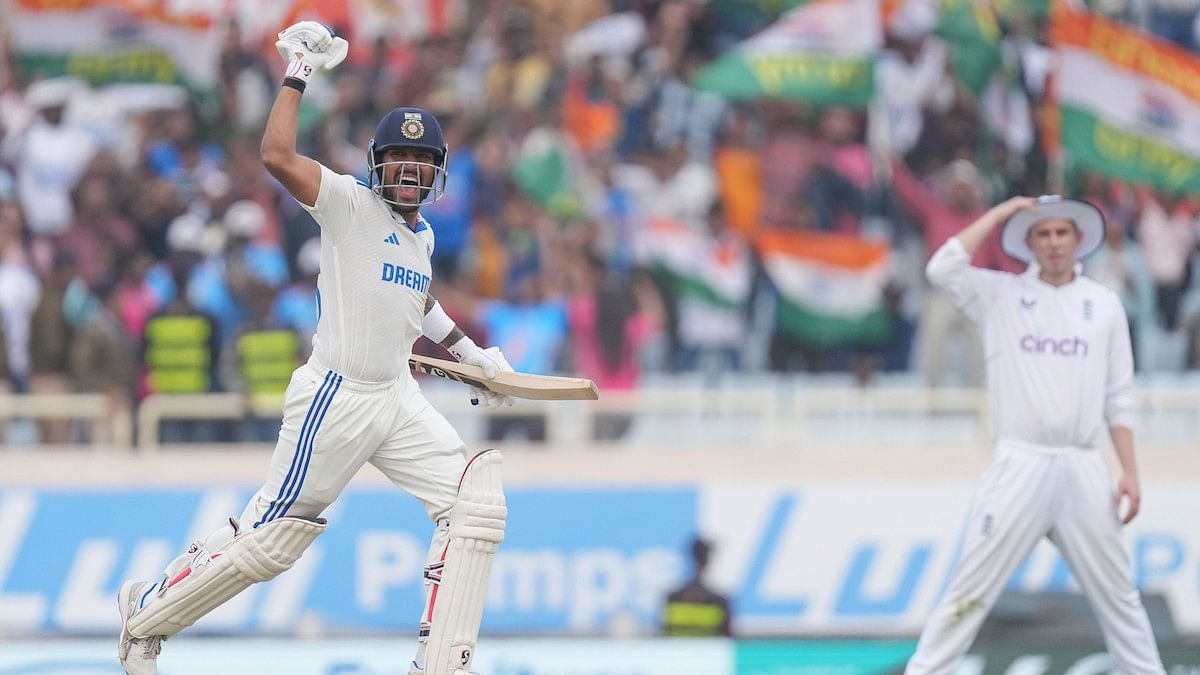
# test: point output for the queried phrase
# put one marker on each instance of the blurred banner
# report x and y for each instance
(833, 557)
(821, 52)
(102, 41)
(1128, 103)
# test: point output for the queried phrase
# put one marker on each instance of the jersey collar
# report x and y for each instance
(1033, 272)
(421, 225)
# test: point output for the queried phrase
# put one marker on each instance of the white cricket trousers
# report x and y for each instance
(332, 425)
(1029, 492)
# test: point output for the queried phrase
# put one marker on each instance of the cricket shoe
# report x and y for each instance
(139, 656)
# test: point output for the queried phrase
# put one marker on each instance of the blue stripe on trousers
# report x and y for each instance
(308, 418)
(309, 452)
(304, 446)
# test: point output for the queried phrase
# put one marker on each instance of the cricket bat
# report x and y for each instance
(519, 385)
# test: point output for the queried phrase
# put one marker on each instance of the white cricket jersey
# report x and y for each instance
(375, 274)
(1059, 363)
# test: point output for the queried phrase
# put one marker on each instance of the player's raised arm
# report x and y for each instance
(307, 47)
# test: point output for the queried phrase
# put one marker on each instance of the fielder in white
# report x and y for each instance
(1060, 374)
(355, 400)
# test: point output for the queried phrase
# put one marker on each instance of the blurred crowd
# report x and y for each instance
(143, 248)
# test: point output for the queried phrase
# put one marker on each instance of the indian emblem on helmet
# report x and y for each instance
(412, 127)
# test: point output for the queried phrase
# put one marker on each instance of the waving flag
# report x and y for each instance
(1128, 104)
(104, 41)
(830, 286)
(821, 52)
(969, 27)
(544, 170)
(714, 272)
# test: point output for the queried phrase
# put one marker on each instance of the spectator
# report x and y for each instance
(613, 209)
(52, 155)
(530, 327)
(19, 292)
(910, 79)
(958, 199)
(180, 357)
(103, 356)
(298, 306)
(591, 113)
(1119, 266)
(712, 322)
(192, 166)
(740, 169)
(800, 190)
(611, 317)
(1167, 234)
(840, 132)
(259, 361)
(100, 233)
(694, 609)
(50, 339)
(454, 211)
(138, 298)
(667, 184)
(220, 286)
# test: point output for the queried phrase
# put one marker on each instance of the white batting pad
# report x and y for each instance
(211, 578)
(476, 530)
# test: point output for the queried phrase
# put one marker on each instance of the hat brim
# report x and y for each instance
(1087, 219)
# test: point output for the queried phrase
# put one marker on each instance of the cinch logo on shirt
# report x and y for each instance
(405, 277)
(1047, 345)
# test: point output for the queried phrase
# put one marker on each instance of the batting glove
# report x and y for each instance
(492, 361)
(308, 46)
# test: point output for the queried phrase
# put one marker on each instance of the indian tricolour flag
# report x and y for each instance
(821, 52)
(1128, 104)
(830, 286)
(715, 272)
(104, 41)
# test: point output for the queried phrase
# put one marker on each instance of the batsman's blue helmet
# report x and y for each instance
(408, 128)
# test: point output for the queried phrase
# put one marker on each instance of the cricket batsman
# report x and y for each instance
(354, 401)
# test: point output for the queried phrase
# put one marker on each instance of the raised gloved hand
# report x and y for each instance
(308, 46)
(492, 361)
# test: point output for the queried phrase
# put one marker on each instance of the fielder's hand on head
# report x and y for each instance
(308, 46)
(492, 361)
(1009, 207)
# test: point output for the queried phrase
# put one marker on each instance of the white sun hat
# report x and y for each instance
(1086, 217)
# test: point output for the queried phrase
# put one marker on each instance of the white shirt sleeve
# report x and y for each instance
(335, 201)
(971, 287)
(1118, 394)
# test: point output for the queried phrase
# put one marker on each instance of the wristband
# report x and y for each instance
(299, 69)
(437, 324)
(295, 83)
